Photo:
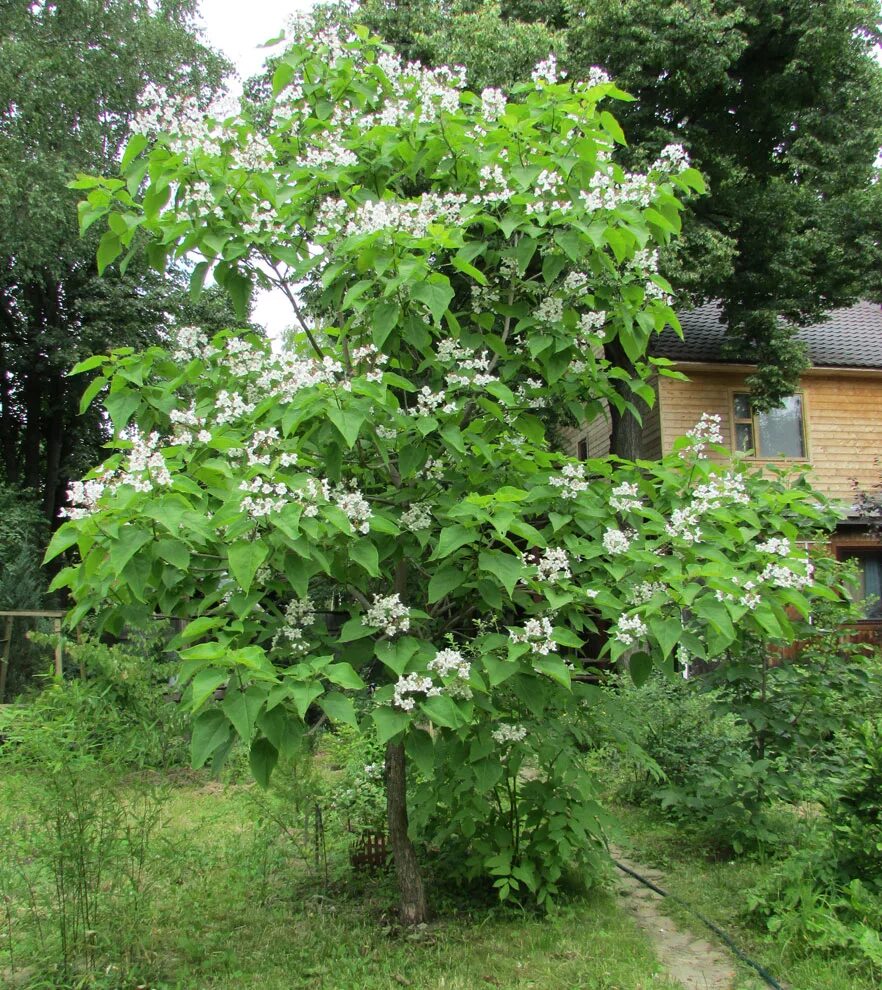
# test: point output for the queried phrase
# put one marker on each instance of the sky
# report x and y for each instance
(238, 28)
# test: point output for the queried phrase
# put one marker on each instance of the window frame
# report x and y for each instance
(735, 420)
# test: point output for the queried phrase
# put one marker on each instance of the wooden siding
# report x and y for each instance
(843, 413)
(597, 433)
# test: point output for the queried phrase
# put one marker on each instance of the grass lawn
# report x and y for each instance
(225, 910)
(718, 890)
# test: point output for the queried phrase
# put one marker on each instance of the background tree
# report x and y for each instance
(779, 103)
(71, 74)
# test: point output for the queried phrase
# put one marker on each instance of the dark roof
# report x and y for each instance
(846, 338)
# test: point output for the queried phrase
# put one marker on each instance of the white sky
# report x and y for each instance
(238, 28)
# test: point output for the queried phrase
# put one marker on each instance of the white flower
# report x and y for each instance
(625, 497)
(537, 634)
(617, 541)
(408, 686)
(571, 481)
(630, 628)
(389, 614)
(545, 73)
(507, 734)
(553, 565)
(492, 104)
(776, 545)
(418, 517)
(706, 430)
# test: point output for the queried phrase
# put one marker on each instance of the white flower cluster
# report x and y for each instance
(417, 518)
(616, 541)
(590, 325)
(414, 217)
(493, 185)
(418, 91)
(187, 125)
(144, 468)
(641, 593)
(630, 628)
(471, 368)
(706, 430)
(493, 104)
(571, 481)
(508, 733)
(597, 76)
(673, 158)
(776, 545)
(356, 507)
(451, 663)
(554, 565)
(264, 497)
(536, 633)
(546, 73)
(428, 402)
(188, 343)
(389, 614)
(728, 489)
(550, 310)
(784, 577)
(299, 615)
(625, 497)
(406, 687)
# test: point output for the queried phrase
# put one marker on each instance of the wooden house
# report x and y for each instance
(832, 423)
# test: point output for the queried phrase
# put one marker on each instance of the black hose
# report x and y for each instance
(764, 973)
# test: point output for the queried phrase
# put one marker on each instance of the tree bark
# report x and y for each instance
(412, 896)
(626, 433)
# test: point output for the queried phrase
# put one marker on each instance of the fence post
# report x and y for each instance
(4, 663)
(59, 648)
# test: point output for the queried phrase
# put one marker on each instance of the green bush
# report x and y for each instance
(697, 764)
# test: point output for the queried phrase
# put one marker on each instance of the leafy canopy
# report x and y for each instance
(381, 506)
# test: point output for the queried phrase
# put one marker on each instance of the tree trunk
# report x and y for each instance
(625, 436)
(410, 884)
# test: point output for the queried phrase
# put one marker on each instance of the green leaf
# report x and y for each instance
(129, 542)
(421, 749)
(395, 654)
(443, 581)
(345, 675)
(242, 709)
(555, 668)
(612, 127)
(88, 365)
(364, 553)
(354, 629)
(205, 683)
(62, 539)
(443, 711)
(109, 249)
(239, 288)
(210, 731)
(348, 423)
(507, 569)
(435, 294)
(640, 667)
(263, 759)
(667, 633)
(173, 552)
(92, 389)
(389, 723)
(452, 538)
(304, 695)
(339, 708)
(244, 558)
(120, 406)
(384, 319)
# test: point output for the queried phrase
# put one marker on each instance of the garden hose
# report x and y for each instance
(763, 972)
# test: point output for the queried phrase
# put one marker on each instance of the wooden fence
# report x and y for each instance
(5, 656)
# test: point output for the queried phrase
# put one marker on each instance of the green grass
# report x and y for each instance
(230, 907)
(718, 890)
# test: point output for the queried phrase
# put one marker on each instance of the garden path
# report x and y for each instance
(690, 960)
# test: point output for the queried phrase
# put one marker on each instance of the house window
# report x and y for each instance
(582, 449)
(776, 434)
(869, 584)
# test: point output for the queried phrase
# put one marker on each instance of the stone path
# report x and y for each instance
(690, 960)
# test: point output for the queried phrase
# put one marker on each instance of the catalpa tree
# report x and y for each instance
(374, 524)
